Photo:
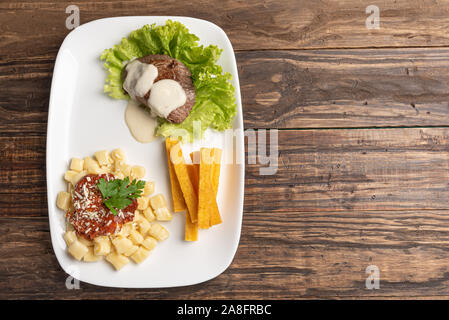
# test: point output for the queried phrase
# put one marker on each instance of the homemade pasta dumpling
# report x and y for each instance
(125, 230)
(142, 203)
(78, 177)
(102, 157)
(70, 237)
(86, 242)
(78, 250)
(131, 251)
(102, 246)
(158, 201)
(123, 245)
(90, 256)
(149, 215)
(159, 205)
(137, 216)
(144, 226)
(64, 200)
(69, 174)
(158, 232)
(135, 237)
(117, 260)
(149, 243)
(77, 164)
(105, 169)
(148, 189)
(118, 155)
(163, 214)
(140, 255)
(91, 166)
(122, 167)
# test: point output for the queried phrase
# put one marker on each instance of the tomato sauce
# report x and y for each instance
(90, 217)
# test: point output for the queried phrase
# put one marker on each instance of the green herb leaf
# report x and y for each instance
(118, 193)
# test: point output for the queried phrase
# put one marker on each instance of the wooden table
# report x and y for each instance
(363, 119)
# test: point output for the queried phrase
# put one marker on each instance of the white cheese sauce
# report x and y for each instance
(166, 95)
(140, 122)
(139, 78)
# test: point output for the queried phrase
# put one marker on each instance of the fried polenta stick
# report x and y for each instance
(215, 214)
(177, 198)
(187, 188)
(207, 203)
(191, 229)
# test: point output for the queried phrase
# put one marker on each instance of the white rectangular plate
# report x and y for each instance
(82, 119)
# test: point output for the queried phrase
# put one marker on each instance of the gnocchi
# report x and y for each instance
(140, 255)
(136, 238)
(77, 250)
(102, 157)
(117, 260)
(63, 201)
(90, 256)
(77, 164)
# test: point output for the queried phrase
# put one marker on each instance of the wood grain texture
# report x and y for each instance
(353, 169)
(342, 199)
(300, 255)
(294, 89)
(345, 88)
(251, 25)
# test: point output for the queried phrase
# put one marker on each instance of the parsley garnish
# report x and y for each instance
(118, 193)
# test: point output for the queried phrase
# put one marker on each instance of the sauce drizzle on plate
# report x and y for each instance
(140, 122)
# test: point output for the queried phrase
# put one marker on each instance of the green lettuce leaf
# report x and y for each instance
(215, 103)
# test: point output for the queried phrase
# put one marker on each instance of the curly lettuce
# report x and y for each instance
(215, 103)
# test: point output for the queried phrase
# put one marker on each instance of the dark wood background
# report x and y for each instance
(363, 119)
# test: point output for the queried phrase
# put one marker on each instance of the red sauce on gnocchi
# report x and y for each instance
(90, 217)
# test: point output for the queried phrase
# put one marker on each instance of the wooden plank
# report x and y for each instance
(354, 169)
(345, 88)
(24, 98)
(270, 24)
(285, 89)
(341, 199)
(303, 255)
